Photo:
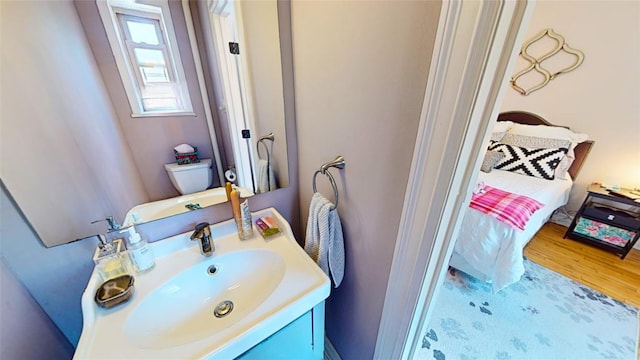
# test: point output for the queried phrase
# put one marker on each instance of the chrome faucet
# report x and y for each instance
(113, 224)
(202, 233)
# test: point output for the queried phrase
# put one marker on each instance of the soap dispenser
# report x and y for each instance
(139, 251)
(110, 258)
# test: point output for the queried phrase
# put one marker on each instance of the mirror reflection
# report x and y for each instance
(103, 156)
(244, 85)
(168, 207)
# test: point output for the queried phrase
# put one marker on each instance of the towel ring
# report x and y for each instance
(261, 140)
(333, 185)
(338, 162)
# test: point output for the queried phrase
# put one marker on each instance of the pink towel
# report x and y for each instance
(512, 209)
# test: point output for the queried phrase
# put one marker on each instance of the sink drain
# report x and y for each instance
(223, 309)
(212, 270)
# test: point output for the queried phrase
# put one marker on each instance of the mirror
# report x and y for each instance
(248, 86)
(160, 209)
(64, 90)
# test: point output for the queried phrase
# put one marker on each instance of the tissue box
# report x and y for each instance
(187, 158)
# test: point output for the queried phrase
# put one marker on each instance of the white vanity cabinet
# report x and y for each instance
(301, 339)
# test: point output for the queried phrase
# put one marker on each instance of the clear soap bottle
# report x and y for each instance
(140, 252)
(110, 258)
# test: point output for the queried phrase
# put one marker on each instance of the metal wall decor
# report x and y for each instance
(535, 64)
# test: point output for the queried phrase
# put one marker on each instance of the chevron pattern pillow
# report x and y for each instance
(535, 162)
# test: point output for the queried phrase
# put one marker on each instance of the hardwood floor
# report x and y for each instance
(598, 269)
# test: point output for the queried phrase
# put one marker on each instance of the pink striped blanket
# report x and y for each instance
(512, 209)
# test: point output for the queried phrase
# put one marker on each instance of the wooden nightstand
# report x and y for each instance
(612, 225)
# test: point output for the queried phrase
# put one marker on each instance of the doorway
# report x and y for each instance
(474, 52)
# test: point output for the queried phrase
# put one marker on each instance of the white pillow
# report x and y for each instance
(502, 126)
(534, 142)
(553, 132)
(562, 171)
(497, 136)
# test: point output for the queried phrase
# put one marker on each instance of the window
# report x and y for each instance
(144, 46)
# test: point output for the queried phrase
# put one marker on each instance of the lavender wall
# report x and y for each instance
(56, 123)
(55, 277)
(360, 75)
(151, 139)
(27, 332)
(53, 98)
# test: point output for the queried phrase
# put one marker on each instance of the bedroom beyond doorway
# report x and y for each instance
(583, 317)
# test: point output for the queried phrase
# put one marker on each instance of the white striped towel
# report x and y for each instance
(324, 241)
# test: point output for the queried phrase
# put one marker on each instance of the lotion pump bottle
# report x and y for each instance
(140, 252)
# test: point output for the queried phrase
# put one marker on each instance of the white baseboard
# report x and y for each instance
(330, 352)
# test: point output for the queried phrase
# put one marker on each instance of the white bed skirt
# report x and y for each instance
(459, 263)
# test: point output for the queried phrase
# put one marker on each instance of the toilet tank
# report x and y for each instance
(190, 178)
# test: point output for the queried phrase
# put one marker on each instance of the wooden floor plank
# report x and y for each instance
(596, 268)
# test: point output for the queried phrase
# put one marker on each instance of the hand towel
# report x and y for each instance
(265, 171)
(324, 241)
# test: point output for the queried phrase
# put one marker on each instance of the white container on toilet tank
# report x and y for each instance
(190, 178)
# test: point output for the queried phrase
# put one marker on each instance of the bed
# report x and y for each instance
(492, 250)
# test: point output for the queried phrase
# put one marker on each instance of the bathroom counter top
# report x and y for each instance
(271, 282)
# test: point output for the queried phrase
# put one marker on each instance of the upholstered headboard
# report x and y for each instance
(523, 117)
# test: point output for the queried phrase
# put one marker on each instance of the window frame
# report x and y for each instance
(114, 14)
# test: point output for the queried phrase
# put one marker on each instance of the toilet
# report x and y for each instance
(190, 178)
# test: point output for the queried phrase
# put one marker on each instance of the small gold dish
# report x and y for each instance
(114, 291)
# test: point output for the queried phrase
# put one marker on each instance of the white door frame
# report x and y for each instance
(473, 55)
(225, 17)
(203, 89)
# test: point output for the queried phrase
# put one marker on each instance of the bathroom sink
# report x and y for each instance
(218, 307)
(206, 298)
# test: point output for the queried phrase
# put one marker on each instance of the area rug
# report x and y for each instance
(543, 316)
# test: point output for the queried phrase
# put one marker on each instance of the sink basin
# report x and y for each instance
(187, 302)
(191, 306)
